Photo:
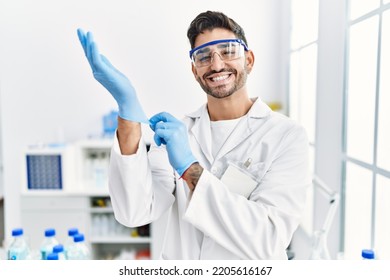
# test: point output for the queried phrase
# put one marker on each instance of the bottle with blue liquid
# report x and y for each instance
(52, 257)
(110, 123)
(79, 250)
(59, 251)
(368, 254)
(48, 243)
(18, 249)
(69, 241)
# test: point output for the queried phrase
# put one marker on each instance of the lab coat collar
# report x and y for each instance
(202, 131)
(258, 110)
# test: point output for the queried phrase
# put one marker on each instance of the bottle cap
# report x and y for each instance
(52, 256)
(58, 248)
(78, 237)
(17, 232)
(50, 232)
(368, 254)
(73, 231)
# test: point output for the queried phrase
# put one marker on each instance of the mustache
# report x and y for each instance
(231, 70)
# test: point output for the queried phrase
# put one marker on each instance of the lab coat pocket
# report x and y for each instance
(238, 180)
(256, 171)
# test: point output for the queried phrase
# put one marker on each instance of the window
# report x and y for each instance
(303, 77)
(366, 122)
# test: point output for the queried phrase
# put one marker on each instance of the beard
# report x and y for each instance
(224, 90)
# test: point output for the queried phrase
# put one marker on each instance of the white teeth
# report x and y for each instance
(220, 78)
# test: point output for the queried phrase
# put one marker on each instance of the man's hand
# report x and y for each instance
(173, 133)
(114, 81)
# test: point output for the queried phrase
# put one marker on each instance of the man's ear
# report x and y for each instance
(249, 61)
(193, 68)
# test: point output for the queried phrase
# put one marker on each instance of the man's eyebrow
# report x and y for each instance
(222, 45)
(203, 50)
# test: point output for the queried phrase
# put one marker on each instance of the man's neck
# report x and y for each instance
(232, 107)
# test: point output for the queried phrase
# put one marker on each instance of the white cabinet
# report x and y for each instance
(87, 206)
(41, 210)
(109, 239)
(106, 238)
(92, 160)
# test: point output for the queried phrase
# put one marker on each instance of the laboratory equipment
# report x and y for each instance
(59, 250)
(48, 243)
(110, 123)
(227, 49)
(69, 241)
(320, 249)
(368, 254)
(50, 167)
(53, 257)
(18, 249)
(79, 250)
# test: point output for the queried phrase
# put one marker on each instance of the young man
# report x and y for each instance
(233, 174)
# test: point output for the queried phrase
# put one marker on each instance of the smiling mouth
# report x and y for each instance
(218, 79)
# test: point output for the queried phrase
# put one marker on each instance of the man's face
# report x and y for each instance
(221, 78)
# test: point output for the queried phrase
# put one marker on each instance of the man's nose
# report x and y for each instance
(217, 61)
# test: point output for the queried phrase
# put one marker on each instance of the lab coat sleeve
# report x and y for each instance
(262, 226)
(135, 196)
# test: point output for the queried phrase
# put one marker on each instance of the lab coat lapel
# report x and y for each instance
(239, 134)
(202, 134)
(247, 125)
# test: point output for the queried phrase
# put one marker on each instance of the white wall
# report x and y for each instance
(329, 122)
(46, 85)
(330, 88)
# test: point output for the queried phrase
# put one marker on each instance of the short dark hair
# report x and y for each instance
(210, 20)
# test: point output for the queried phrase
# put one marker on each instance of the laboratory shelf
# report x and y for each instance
(85, 203)
(102, 210)
(119, 239)
(100, 143)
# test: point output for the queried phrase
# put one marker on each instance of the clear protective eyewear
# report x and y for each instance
(227, 49)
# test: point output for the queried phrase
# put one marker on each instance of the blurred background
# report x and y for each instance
(322, 63)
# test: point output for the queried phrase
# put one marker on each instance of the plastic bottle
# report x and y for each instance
(59, 250)
(18, 249)
(48, 243)
(100, 170)
(53, 257)
(79, 250)
(69, 241)
(368, 254)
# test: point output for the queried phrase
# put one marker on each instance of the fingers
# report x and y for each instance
(95, 57)
(165, 131)
(106, 61)
(161, 117)
(89, 46)
(158, 140)
(164, 126)
(82, 39)
(162, 135)
(96, 60)
(90, 49)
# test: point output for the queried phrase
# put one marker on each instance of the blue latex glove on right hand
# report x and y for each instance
(173, 133)
(114, 81)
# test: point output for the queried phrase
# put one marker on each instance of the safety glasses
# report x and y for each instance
(227, 49)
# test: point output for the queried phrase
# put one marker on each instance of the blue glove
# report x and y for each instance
(173, 133)
(113, 80)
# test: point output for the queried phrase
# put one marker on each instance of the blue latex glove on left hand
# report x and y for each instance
(114, 81)
(173, 133)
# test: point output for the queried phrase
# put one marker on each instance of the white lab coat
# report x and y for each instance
(214, 222)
